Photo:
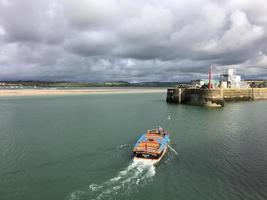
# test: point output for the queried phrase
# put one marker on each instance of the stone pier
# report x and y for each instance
(214, 97)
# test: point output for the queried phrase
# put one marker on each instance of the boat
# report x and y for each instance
(151, 146)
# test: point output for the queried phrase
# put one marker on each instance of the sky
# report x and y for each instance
(131, 40)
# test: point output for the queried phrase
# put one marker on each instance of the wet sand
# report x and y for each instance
(36, 92)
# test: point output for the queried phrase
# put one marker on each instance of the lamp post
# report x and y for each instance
(209, 84)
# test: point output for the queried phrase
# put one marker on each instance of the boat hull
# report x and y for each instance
(153, 161)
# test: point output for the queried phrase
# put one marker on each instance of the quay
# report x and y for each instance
(214, 93)
(214, 97)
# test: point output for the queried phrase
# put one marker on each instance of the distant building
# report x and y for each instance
(201, 82)
(231, 80)
(228, 79)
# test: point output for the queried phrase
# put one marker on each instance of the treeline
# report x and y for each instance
(31, 83)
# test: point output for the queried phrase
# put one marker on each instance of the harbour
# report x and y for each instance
(214, 97)
(133, 100)
(214, 93)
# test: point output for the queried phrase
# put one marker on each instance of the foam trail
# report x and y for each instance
(136, 174)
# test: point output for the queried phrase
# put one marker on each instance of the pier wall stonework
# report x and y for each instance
(260, 93)
(214, 97)
(202, 97)
(244, 94)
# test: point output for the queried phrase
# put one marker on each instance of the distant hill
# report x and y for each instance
(156, 84)
(33, 83)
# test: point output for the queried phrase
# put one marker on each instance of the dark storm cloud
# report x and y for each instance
(153, 40)
(32, 21)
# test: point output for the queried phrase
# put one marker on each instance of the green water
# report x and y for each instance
(79, 147)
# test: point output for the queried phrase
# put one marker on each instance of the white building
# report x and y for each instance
(231, 80)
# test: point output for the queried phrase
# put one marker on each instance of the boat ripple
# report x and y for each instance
(135, 175)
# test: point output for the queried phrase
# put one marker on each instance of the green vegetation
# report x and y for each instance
(65, 84)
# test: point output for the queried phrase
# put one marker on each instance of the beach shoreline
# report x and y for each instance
(89, 91)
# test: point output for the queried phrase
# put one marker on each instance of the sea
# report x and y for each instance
(79, 147)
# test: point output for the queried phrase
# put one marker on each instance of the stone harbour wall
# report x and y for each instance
(214, 97)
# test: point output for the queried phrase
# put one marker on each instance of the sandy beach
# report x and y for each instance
(36, 92)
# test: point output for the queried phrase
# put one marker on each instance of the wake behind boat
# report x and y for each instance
(152, 146)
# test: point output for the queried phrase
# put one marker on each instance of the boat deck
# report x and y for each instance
(151, 142)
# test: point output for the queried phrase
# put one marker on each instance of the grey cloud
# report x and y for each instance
(91, 43)
(32, 21)
(130, 40)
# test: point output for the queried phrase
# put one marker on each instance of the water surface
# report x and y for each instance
(79, 147)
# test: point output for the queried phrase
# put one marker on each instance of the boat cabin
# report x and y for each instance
(148, 146)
